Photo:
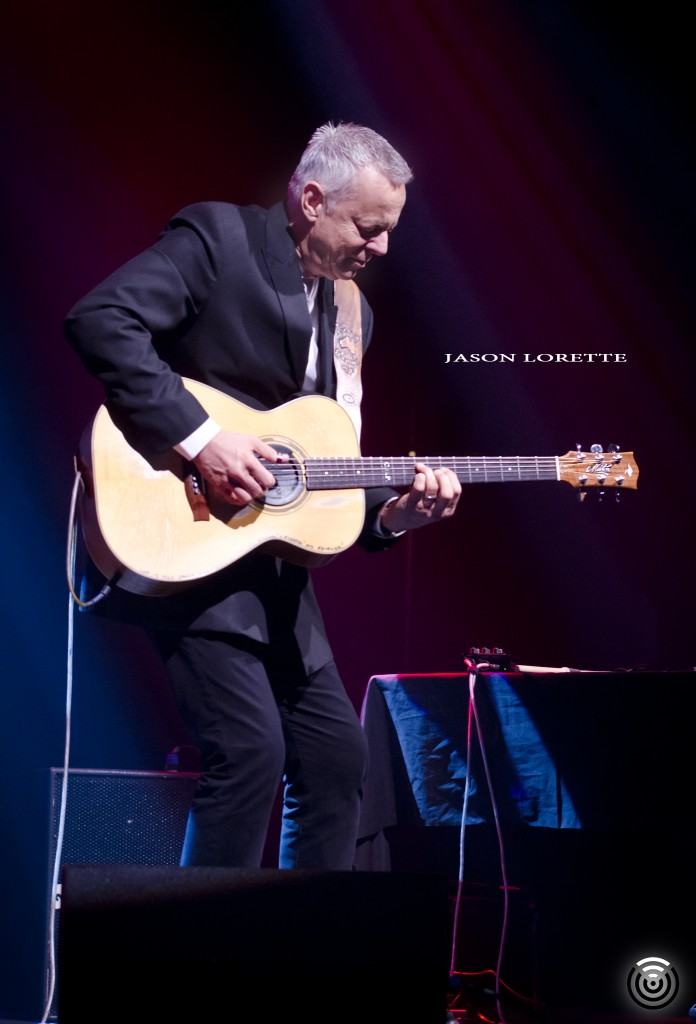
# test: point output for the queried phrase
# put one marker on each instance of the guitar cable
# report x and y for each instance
(54, 894)
(71, 549)
(74, 599)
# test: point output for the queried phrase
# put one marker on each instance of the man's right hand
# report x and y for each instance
(231, 467)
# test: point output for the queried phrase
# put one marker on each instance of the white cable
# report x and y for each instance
(73, 599)
(70, 551)
(54, 893)
(462, 834)
(501, 846)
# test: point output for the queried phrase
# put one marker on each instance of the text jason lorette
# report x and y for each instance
(536, 357)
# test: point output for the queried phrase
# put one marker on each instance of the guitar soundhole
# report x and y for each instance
(289, 485)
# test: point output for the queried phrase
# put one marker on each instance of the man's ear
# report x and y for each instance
(312, 201)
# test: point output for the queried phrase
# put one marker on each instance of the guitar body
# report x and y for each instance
(138, 520)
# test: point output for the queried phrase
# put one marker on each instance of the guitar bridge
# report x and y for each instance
(194, 485)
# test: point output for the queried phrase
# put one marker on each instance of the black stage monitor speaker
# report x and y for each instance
(145, 945)
(114, 817)
(121, 817)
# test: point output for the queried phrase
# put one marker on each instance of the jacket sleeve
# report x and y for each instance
(113, 330)
(375, 497)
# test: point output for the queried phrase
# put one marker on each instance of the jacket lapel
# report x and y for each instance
(284, 270)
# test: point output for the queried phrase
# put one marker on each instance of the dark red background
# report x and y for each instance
(552, 211)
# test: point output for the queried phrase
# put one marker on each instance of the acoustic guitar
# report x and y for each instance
(151, 526)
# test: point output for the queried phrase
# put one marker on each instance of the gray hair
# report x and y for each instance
(336, 152)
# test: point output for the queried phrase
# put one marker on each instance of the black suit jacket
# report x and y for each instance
(218, 298)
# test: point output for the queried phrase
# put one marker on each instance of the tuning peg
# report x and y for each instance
(597, 449)
(613, 448)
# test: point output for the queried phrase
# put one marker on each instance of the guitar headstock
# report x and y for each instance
(598, 468)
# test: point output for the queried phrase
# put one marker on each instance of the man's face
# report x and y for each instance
(340, 243)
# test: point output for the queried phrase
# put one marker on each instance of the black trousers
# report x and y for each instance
(258, 718)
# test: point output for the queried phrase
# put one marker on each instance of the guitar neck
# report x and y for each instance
(379, 471)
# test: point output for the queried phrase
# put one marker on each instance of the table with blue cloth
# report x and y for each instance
(585, 750)
(593, 778)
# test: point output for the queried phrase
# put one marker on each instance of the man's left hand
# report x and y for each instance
(432, 497)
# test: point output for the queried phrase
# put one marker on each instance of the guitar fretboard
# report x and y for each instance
(378, 471)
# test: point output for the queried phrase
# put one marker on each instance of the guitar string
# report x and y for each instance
(358, 471)
(376, 470)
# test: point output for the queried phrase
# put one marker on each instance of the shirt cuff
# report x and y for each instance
(379, 529)
(192, 445)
